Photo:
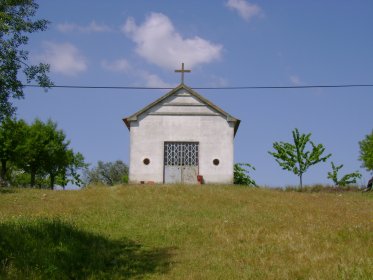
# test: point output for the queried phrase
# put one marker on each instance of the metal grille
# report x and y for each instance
(181, 154)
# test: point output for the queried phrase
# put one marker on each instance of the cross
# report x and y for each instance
(182, 71)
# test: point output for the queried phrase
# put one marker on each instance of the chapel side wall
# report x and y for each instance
(214, 134)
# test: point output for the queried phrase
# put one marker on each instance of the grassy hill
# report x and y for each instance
(178, 232)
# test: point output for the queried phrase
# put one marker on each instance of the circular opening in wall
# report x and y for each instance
(146, 161)
(216, 161)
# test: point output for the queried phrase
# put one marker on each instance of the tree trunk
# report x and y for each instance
(33, 173)
(52, 179)
(3, 173)
(300, 179)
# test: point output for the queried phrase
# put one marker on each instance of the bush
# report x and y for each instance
(241, 174)
(366, 152)
(345, 180)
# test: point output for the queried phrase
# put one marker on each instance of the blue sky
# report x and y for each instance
(225, 43)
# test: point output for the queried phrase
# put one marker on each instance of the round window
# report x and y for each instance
(146, 161)
(216, 161)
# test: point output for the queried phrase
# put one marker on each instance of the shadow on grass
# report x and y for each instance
(50, 249)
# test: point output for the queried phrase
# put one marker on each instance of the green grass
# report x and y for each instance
(181, 232)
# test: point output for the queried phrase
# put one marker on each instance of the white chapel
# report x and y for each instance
(181, 138)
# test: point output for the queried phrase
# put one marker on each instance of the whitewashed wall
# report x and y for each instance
(173, 123)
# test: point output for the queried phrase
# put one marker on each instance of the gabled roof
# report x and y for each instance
(229, 117)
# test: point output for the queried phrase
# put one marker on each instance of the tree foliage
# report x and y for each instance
(38, 154)
(346, 179)
(108, 173)
(241, 174)
(71, 172)
(295, 157)
(16, 22)
(366, 152)
(12, 135)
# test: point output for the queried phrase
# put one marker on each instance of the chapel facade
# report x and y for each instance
(181, 138)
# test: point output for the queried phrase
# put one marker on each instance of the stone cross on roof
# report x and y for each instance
(182, 71)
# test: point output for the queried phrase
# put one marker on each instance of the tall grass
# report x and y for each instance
(180, 232)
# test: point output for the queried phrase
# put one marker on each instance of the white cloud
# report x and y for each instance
(119, 65)
(147, 79)
(295, 80)
(245, 9)
(158, 42)
(93, 27)
(63, 58)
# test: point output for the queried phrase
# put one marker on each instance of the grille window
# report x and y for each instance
(181, 153)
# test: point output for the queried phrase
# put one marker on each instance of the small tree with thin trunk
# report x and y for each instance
(293, 157)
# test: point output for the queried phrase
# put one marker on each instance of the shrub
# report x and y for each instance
(241, 174)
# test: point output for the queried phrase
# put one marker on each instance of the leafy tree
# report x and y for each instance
(108, 173)
(54, 153)
(12, 134)
(15, 24)
(241, 174)
(366, 152)
(346, 179)
(60, 162)
(293, 157)
(33, 150)
(75, 162)
(46, 153)
(37, 154)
